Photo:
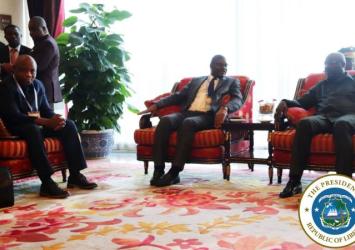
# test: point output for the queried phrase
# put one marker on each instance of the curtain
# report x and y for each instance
(51, 10)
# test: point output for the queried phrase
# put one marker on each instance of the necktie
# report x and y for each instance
(211, 87)
(13, 56)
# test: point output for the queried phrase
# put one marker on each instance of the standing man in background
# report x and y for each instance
(9, 53)
(46, 54)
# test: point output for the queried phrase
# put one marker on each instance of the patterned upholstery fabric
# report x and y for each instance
(18, 148)
(294, 115)
(22, 166)
(322, 143)
(205, 138)
(197, 154)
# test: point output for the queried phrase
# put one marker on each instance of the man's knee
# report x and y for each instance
(30, 130)
(304, 126)
(341, 126)
(165, 122)
(69, 124)
(188, 125)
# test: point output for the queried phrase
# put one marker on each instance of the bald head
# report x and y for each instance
(335, 57)
(37, 27)
(335, 65)
(25, 69)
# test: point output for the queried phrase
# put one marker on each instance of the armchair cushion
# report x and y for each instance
(204, 138)
(294, 115)
(18, 148)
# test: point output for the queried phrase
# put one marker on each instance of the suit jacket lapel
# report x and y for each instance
(220, 84)
(193, 92)
(6, 55)
(22, 50)
(198, 84)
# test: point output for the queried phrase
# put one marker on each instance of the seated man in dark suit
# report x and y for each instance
(25, 111)
(202, 109)
(8, 54)
(334, 100)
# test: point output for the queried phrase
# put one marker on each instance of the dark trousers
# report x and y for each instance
(342, 129)
(34, 136)
(186, 124)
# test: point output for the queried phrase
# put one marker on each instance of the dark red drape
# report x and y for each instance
(51, 10)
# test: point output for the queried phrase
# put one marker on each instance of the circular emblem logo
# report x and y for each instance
(327, 211)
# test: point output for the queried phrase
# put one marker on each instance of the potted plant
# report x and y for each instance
(94, 79)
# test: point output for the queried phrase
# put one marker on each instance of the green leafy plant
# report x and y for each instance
(92, 69)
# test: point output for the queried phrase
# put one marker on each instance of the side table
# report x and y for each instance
(248, 156)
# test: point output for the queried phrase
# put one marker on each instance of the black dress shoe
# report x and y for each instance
(292, 188)
(156, 176)
(80, 181)
(50, 189)
(167, 180)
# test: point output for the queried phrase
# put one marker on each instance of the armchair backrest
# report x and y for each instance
(305, 84)
(246, 88)
(244, 82)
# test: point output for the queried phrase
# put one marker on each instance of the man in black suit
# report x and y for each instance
(8, 54)
(25, 111)
(334, 101)
(46, 54)
(201, 109)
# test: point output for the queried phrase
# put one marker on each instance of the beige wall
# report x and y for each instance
(19, 14)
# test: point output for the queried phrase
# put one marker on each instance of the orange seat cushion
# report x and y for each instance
(322, 143)
(23, 166)
(18, 148)
(204, 138)
(203, 154)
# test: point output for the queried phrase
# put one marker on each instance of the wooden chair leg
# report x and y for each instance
(279, 175)
(271, 174)
(6, 188)
(146, 164)
(251, 166)
(64, 175)
(226, 168)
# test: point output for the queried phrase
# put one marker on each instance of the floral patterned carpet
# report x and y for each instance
(202, 212)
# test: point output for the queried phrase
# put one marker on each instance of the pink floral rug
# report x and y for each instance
(202, 212)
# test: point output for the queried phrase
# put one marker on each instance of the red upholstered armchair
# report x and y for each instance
(208, 145)
(14, 155)
(322, 148)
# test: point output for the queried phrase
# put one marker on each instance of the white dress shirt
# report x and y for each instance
(202, 101)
